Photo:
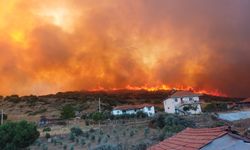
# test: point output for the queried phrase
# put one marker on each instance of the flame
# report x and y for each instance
(164, 87)
(64, 45)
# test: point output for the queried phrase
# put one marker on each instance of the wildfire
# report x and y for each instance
(54, 46)
(164, 87)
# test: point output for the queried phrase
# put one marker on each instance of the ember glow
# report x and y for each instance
(64, 45)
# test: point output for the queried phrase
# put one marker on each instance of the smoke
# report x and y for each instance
(60, 45)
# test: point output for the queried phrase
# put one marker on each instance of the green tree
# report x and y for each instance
(67, 112)
(17, 135)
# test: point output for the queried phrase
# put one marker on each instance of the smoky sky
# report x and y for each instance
(63, 45)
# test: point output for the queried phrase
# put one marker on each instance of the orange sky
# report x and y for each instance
(60, 45)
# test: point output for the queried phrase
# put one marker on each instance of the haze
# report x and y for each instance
(63, 45)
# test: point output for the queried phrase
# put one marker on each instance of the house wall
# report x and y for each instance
(171, 104)
(150, 111)
(130, 112)
(117, 112)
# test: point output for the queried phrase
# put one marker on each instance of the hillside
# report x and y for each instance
(32, 107)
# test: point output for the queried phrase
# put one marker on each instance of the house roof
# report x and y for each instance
(127, 107)
(246, 100)
(190, 139)
(184, 94)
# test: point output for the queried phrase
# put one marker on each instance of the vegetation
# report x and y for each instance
(17, 135)
(4, 116)
(47, 129)
(67, 112)
(38, 112)
(170, 124)
(47, 136)
(76, 131)
(215, 107)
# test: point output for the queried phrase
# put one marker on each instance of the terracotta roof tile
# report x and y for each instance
(127, 107)
(184, 94)
(190, 139)
(246, 100)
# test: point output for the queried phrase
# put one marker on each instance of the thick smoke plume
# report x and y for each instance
(59, 45)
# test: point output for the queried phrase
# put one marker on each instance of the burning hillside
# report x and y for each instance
(63, 45)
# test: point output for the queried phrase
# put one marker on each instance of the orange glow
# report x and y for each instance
(164, 87)
(54, 46)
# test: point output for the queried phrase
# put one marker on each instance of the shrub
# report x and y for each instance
(99, 139)
(161, 136)
(47, 129)
(92, 138)
(85, 134)
(146, 132)
(4, 116)
(131, 133)
(72, 137)
(82, 142)
(213, 107)
(105, 139)
(45, 147)
(65, 147)
(47, 136)
(76, 131)
(219, 124)
(18, 134)
(171, 122)
(108, 147)
(67, 112)
(38, 112)
(77, 141)
(72, 147)
(140, 146)
(91, 130)
(97, 116)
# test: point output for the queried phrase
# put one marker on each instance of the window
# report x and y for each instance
(176, 100)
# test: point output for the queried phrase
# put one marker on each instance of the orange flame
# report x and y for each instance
(164, 87)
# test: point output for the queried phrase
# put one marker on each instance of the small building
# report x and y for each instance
(185, 102)
(148, 109)
(219, 138)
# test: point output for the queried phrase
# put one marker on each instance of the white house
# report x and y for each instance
(183, 102)
(133, 109)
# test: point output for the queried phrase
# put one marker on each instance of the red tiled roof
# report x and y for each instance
(127, 107)
(246, 100)
(184, 94)
(190, 139)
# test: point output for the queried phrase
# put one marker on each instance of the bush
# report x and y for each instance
(82, 142)
(72, 147)
(67, 112)
(146, 132)
(140, 146)
(47, 136)
(108, 147)
(76, 131)
(173, 122)
(214, 107)
(4, 116)
(65, 147)
(45, 147)
(219, 124)
(92, 138)
(72, 137)
(48, 129)
(38, 112)
(17, 134)
(131, 133)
